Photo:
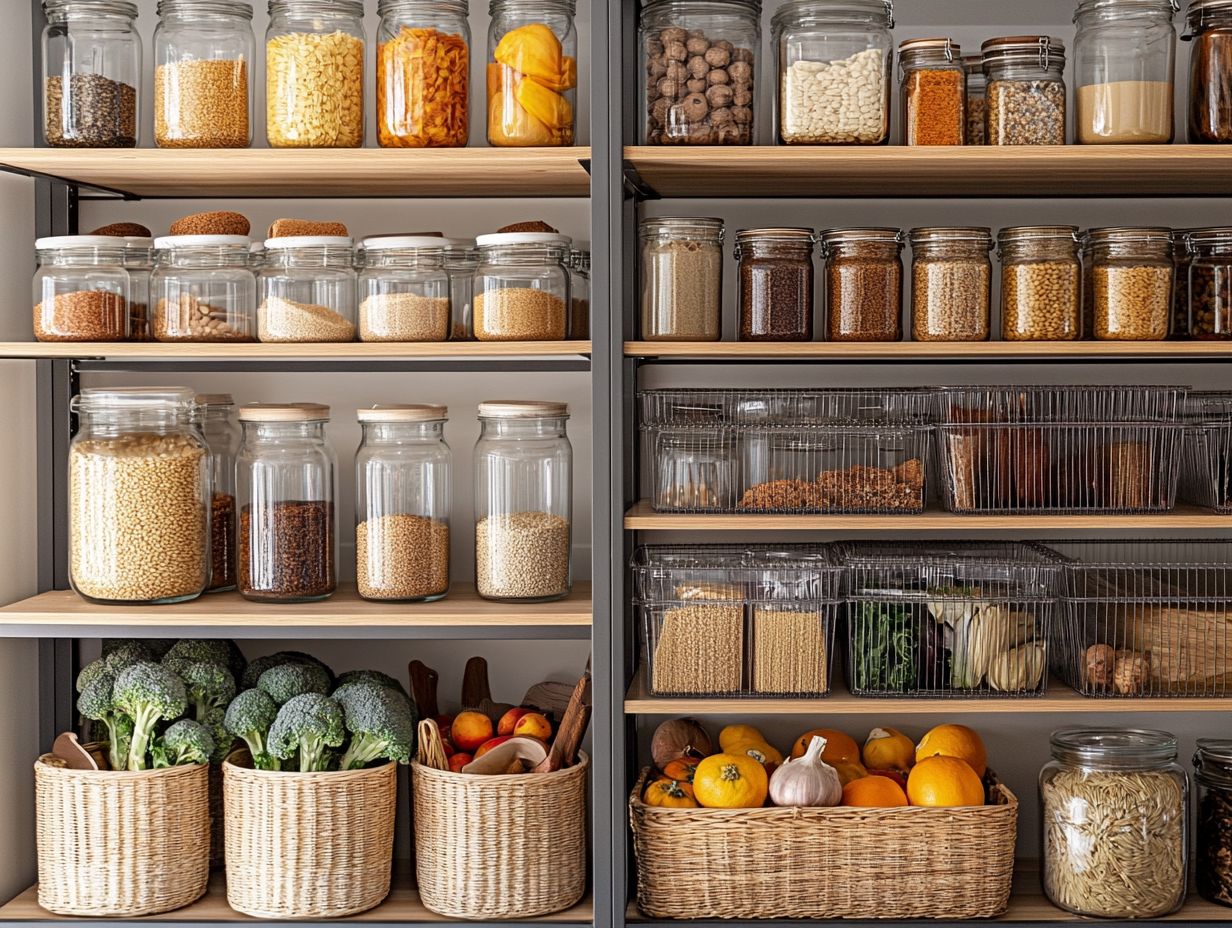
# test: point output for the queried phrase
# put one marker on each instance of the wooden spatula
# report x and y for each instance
(572, 728)
(423, 689)
(477, 693)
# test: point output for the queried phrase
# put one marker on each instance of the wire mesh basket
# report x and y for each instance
(737, 620)
(885, 406)
(1039, 404)
(1206, 468)
(1145, 618)
(963, 620)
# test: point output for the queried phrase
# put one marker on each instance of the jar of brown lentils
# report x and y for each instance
(776, 284)
(1210, 283)
(951, 281)
(1041, 283)
(864, 284)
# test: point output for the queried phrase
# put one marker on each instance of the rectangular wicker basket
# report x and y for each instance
(825, 863)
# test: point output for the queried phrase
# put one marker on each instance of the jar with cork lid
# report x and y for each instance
(216, 416)
(682, 278)
(1131, 283)
(934, 92)
(951, 279)
(1025, 89)
(522, 287)
(864, 284)
(1041, 283)
(204, 289)
(776, 284)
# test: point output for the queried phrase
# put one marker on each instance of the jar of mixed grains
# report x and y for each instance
(776, 284)
(682, 278)
(522, 287)
(1026, 90)
(1041, 283)
(951, 276)
(1131, 283)
(977, 98)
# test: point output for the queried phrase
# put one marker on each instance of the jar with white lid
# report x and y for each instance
(1131, 283)
(139, 262)
(522, 287)
(404, 290)
(532, 73)
(82, 289)
(523, 501)
(579, 294)
(682, 278)
(403, 488)
(139, 488)
(307, 288)
(221, 429)
(461, 259)
(1025, 90)
(204, 289)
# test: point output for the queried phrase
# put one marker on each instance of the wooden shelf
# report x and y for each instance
(365, 351)
(316, 173)
(901, 171)
(967, 352)
(462, 614)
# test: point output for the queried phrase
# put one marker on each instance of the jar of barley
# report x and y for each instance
(951, 281)
(1131, 283)
(1041, 283)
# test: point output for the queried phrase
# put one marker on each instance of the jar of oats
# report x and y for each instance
(139, 497)
(1131, 283)
(1041, 283)
(522, 287)
(951, 281)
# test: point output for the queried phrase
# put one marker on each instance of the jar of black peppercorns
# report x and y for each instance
(1213, 772)
(699, 64)
(776, 284)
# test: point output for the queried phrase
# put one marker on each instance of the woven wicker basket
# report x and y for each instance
(496, 847)
(308, 845)
(116, 843)
(825, 863)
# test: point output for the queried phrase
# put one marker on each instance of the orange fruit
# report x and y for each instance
(941, 781)
(840, 748)
(874, 792)
(954, 741)
(888, 749)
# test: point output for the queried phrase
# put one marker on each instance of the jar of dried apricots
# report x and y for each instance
(423, 64)
(532, 73)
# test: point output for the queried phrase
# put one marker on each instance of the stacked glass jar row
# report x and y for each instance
(315, 50)
(512, 286)
(167, 500)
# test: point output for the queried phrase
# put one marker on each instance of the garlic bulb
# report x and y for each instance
(807, 780)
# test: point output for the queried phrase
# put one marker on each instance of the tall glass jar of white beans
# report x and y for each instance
(1115, 841)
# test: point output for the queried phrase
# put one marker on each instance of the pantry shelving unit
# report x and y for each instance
(892, 352)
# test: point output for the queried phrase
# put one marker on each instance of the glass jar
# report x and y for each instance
(1041, 283)
(776, 284)
(521, 287)
(1210, 283)
(203, 72)
(977, 99)
(314, 74)
(403, 477)
(216, 414)
(523, 502)
(1025, 89)
(864, 284)
(1131, 283)
(82, 291)
(834, 61)
(1124, 53)
(1213, 823)
(284, 477)
(699, 71)
(1114, 834)
(461, 260)
(307, 287)
(403, 290)
(91, 74)
(1181, 259)
(138, 489)
(204, 289)
(423, 74)
(1209, 27)
(532, 73)
(139, 262)
(579, 294)
(934, 92)
(951, 275)
(682, 279)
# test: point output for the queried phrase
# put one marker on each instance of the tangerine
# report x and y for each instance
(840, 748)
(874, 792)
(954, 741)
(943, 782)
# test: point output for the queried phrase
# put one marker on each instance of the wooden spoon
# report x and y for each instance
(423, 689)
(572, 728)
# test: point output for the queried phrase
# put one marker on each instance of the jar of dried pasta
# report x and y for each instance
(934, 92)
(864, 284)
(422, 74)
(951, 278)
(1041, 283)
(1213, 860)
(1131, 283)
(1026, 90)
(1115, 839)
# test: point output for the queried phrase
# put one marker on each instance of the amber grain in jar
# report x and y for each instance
(934, 92)
(776, 284)
(951, 277)
(1041, 283)
(1131, 283)
(864, 284)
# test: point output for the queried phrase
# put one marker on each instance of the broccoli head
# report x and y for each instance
(148, 693)
(154, 648)
(191, 650)
(307, 725)
(370, 676)
(97, 703)
(254, 670)
(210, 686)
(223, 741)
(185, 742)
(115, 660)
(286, 681)
(380, 722)
(250, 716)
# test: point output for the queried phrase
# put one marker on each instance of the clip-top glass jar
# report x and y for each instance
(403, 486)
(977, 99)
(1213, 860)
(1209, 27)
(423, 74)
(951, 281)
(139, 491)
(864, 284)
(403, 290)
(203, 73)
(285, 492)
(579, 293)
(314, 74)
(699, 71)
(934, 92)
(82, 290)
(91, 74)
(523, 502)
(216, 414)
(204, 289)
(521, 287)
(776, 284)
(1041, 283)
(682, 278)
(1115, 840)
(1025, 90)
(307, 287)
(532, 73)
(1124, 57)
(834, 66)
(1210, 283)
(1131, 283)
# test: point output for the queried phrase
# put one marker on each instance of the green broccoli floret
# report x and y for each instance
(148, 693)
(210, 686)
(97, 703)
(91, 672)
(254, 670)
(250, 716)
(185, 742)
(155, 648)
(380, 722)
(191, 650)
(286, 681)
(119, 657)
(370, 676)
(223, 742)
(308, 725)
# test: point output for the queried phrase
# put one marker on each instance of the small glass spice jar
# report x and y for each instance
(314, 74)
(1210, 283)
(1115, 840)
(682, 279)
(1026, 90)
(423, 74)
(284, 476)
(139, 262)
(977, 99)
(522, 287)
(1213, 822)
(1131, 283)
(204, 289)
(776, 284)
(307, 287)
(91, 74)
(864, 284)
(934, 91)
(461, 260)
(82, 290)
(579, 294)
(532, 73)
(216, 416)
(203, 74)
(403, 487)
(951, 278)
(403, 290)
(523, 501)
(1209, 27)
(1041, 283)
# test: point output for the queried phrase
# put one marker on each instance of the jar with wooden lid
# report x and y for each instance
(1209, 27)
(1213, 822)
(682, 278)
(934, 92)
(1131, 283)
(951, 280)
(404, 290)
(522, 287)
(1210, 283)
(1026, 90)
(82, 289)
(977, 98)
(221, 429)
(1041, 283)
(204, 289)
(532, 73)
(864, 284)
(776, 284)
